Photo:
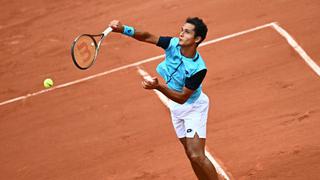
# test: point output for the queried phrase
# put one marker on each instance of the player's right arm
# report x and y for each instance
(139, 35)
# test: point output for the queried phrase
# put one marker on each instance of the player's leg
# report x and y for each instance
(196, 125)
(197, 170)
(195, 148)
(187, 120)
(180, 130)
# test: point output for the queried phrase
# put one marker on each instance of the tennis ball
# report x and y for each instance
(48, 83)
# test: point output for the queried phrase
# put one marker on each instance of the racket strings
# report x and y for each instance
(84, 51)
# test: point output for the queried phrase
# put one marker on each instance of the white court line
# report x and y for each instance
(297, 48)
(236, 34)
(291, 41)
(165, 101)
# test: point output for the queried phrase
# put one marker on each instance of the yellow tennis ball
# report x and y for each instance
(48, 83)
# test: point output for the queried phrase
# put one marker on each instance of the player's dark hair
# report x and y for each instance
(200, 27)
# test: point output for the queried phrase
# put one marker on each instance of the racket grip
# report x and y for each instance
(107, 31)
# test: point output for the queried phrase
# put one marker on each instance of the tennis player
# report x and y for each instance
(183, 71)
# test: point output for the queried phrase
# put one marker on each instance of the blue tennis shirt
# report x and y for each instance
(176, 68)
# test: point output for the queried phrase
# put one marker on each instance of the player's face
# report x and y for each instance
(186, 37)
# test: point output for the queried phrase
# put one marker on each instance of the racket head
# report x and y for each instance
(84, 51)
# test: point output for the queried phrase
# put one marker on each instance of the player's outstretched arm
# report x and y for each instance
(139, 35)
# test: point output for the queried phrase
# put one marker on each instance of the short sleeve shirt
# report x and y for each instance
(179, 71)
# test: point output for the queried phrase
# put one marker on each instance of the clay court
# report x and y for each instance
(101, 124)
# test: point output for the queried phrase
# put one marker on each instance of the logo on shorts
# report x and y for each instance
(189, 130)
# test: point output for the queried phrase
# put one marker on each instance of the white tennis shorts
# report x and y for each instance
(188, 119)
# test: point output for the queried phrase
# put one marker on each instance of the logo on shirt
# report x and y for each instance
(189, 130)
(187, 72)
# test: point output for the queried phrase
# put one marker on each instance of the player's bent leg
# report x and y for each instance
(195, 151)
(197, 170)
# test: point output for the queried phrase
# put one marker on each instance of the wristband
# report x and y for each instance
(128, 30)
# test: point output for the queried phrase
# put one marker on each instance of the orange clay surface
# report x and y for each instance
(265, 101)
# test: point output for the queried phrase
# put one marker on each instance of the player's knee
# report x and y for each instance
(195, 157)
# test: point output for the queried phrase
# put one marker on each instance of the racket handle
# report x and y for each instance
(107, 31)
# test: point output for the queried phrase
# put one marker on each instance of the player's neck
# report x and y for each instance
(188, 51)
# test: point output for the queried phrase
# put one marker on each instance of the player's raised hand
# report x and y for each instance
(116, 26)
(151, 83)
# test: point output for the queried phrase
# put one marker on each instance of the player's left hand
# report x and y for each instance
(147, 84)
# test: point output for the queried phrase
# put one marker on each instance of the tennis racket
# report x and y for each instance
(85, 48)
